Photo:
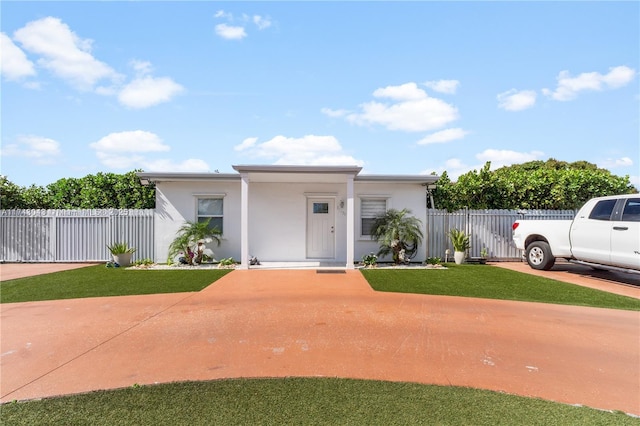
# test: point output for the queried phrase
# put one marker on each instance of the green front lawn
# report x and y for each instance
(302, 401)
(491, 282)
(98, 281)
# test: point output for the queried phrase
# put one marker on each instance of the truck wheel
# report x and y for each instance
(539, 256)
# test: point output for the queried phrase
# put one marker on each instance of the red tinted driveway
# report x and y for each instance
(300, 323)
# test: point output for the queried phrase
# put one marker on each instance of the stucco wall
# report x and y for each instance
(278, 219)
(277, 215)
(399, 196)
(176, 203)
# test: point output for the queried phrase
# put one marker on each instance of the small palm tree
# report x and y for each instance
(398, 233)
(190, 240)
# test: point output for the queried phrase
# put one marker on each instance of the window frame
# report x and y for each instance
(220, 197)
(623, 209)
(363, 199)
(600, 217)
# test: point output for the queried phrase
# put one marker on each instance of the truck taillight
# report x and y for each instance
(514, 226)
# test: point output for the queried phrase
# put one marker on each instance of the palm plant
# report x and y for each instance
(398, 234)
(190, 240)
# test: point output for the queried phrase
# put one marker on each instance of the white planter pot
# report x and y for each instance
(122, 259)
(458, 256)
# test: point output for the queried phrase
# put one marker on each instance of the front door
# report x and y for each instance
(320, 228)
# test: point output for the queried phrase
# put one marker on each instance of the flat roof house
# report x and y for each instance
(300, 214)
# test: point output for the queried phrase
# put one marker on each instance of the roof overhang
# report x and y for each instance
(146, 177)
(354, 170)
(286, 173)
(297, 174)
(419, 179)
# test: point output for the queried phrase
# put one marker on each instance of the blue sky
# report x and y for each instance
(415, 87)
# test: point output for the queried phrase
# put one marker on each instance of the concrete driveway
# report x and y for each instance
(277, 323)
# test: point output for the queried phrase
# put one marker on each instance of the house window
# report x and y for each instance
(211, 209)
(370, 209)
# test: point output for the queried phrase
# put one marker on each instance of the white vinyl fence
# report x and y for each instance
(83, 235)
(490, 229)
(73, 235)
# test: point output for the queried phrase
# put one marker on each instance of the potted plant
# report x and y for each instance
(369, 260)
(484, 253)
(121, 253)
(460, 243)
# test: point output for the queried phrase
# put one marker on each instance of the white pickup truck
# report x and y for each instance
(605, 234)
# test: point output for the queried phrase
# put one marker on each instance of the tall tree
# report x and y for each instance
(550, 184)
(10, 194)
(102, 190)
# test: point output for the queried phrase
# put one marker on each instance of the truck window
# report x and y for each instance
(631, 212)
(603, 210)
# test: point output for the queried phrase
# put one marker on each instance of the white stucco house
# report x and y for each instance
(310, 215)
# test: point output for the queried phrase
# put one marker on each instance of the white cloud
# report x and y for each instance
(130, 141)
(404, 92)
(612, 163)
(64, 53)
(443, 86)
(261, 22)
(514, 100)
(223, 14)
(192, 165)
(443, 136)
(41, 150)
(126, 150)
(117, 161)
(569, 87)
(230, 32)
(308, 150)
(454, 168)
(334, 113)
(246, 144)
(499, 158)
(411, 110)
(504, 157)
(14, 64)
(142, 68)
(148, 91)
(635, 181)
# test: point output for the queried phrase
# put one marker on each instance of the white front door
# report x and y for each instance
(320, 228)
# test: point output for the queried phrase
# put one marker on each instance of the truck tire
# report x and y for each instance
(539, 256)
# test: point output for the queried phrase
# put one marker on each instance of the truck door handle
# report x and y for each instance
(620, 228)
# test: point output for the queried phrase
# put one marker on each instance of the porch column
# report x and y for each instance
(244, 221)
(350, 223)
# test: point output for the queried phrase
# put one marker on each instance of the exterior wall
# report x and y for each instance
(176, 203)
(278, 219)
(399, 196)
(277, 215)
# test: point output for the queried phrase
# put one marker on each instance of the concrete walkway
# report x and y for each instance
(277, 323)
(11, 271)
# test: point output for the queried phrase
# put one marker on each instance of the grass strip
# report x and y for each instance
(302, 401)
(98, 281)
(490, 282)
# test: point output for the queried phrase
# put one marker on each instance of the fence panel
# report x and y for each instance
(74, 235)
(490, 229)
(83, 235)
